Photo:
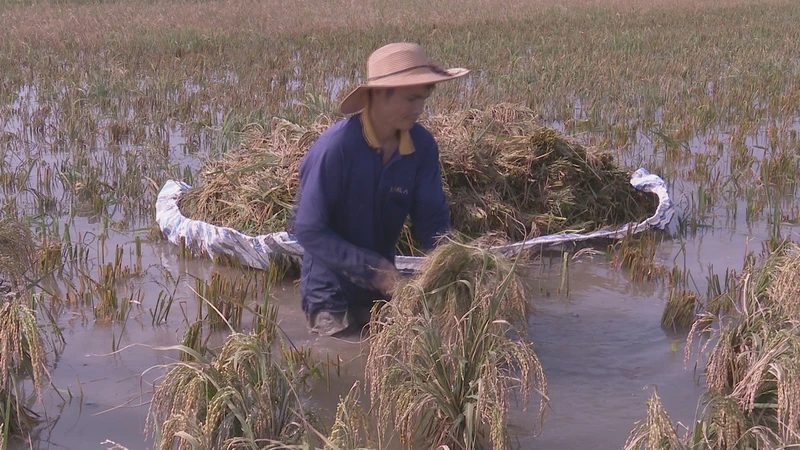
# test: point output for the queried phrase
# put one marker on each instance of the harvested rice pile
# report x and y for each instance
(252, 189)
(506, 173)
(503, 173)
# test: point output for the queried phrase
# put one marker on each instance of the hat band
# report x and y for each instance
(433, 67)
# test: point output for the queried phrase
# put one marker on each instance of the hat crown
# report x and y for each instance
(400, 64)
(396, 57)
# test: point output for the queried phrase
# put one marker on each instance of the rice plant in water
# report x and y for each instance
(246, 396)
(753, 371)
(449, 350)
(22, 350)
(656, 431)
(16, 418)
(17, 254)
(752, 399)
(352, 426)
(224, 299)
(679, 312)
(637, 253)
(192, 339)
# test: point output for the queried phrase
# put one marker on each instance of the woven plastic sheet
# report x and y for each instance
(203, 238)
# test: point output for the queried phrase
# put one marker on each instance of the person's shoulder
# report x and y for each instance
(339, 130)
(419, 131)
(336, 135)
(423, 138)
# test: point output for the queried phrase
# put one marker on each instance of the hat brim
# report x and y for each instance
(357, 99)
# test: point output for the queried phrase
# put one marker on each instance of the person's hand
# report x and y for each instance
(386, 278)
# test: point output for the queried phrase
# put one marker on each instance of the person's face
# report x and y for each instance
(401, 108)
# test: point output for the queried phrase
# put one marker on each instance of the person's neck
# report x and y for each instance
(386, 134)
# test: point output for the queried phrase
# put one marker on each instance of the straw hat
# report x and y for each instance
(397, 65)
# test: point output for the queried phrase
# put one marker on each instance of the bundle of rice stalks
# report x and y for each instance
(449, 350)
(656, 431)
(756, 359)
(244, 397)
(252, 189)
(20, 419)
(17, 255)
(22, 353)
(503, 172)
(679, 312)
(351, 427)
(459, 277)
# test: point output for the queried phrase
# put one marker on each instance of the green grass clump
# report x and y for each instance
(450, 349)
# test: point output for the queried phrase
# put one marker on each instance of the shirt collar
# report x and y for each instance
(405, 143)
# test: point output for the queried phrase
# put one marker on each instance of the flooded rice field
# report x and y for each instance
(596, 331)
(86, 147)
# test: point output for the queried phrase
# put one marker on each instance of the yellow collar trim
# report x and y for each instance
(405, 143)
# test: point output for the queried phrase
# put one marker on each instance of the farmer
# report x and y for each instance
(360, 181)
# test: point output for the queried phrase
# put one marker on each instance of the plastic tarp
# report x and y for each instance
(203, 238)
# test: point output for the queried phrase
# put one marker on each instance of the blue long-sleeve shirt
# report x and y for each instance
(351, 209)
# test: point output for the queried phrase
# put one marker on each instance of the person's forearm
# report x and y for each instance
(328, 247)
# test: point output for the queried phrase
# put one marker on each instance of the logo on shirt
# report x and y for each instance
(398, 190)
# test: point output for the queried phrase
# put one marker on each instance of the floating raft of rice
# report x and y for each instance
(503, 173)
